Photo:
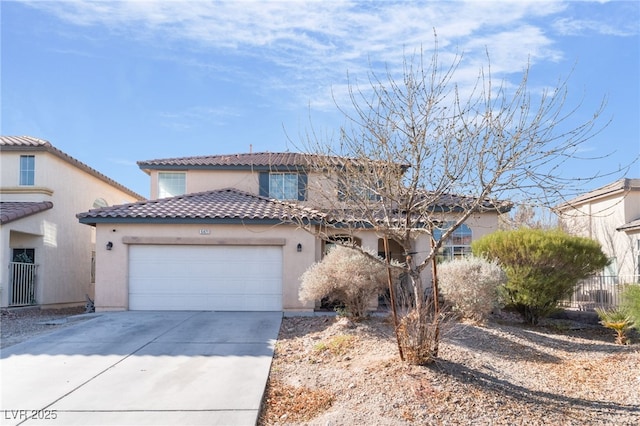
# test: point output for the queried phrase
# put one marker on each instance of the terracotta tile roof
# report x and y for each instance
(14, 210)
(249, 159)
(453, 202)
(221, 205)
(29, 143)
(257, 161)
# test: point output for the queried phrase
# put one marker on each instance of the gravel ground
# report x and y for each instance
(331, 371)
(20, 324)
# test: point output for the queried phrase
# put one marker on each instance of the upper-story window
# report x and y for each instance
(27, 170)
(283, 185)
(457, 245)
(171, 184)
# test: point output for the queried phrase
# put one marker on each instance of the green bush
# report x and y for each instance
(542, 266)
(630, 303)
(471, 285)
(348, 276)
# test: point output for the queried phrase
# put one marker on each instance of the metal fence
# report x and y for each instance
(22, 290)
(600, 291)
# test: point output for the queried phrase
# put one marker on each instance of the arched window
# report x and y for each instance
(457, 245)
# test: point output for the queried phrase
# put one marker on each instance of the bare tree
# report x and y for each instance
(420, 155)
(529, 216)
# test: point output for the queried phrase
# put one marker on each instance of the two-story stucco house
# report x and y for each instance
(610, 215)
(215, 235)
(46, 255)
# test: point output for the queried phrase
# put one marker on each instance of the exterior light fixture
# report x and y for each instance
(299, 247)
(109, 245)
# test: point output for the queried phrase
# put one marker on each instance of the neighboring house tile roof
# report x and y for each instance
(14, 210)
(29, 143)
(226, 205)
(619, 186)
(631, 226)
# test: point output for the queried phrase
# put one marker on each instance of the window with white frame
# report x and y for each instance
(27, 170)
(283, 186)
(458, 244)
(171, 184)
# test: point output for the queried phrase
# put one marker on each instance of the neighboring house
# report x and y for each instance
(216, 235)
(47, 257)
(611, 216)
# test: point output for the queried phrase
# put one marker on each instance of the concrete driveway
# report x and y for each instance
(142, 368)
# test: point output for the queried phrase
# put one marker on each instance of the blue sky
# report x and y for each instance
(112, 83)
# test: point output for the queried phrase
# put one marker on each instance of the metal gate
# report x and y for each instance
(23, 284)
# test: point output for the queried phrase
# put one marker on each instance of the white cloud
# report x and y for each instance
(571, 26)
(313, 44)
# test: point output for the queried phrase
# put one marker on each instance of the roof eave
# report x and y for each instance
(177, 220)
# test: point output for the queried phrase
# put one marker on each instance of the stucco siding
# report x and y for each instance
(599, 218)
(64, 254)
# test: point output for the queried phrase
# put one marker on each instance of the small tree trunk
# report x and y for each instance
(416, 284)
(436, 303)
(392, 296)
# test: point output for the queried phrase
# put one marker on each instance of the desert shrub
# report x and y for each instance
(348, 276)
(542, 266)
(630, 303)
(471, 286)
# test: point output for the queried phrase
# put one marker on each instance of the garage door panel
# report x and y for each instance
(205, 278)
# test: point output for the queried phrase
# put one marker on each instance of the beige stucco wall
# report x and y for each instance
(112, 265)
(243, 180)
(64, 251)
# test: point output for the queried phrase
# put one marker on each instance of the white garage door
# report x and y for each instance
(219, 278)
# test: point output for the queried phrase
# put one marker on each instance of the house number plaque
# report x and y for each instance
(205, 231)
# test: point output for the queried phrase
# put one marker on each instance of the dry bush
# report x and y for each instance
(345, 275)
(419, 333)
(471, 286)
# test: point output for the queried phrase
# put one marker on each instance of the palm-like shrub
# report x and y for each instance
(348, 276)
(471, 286)
(617, 320)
